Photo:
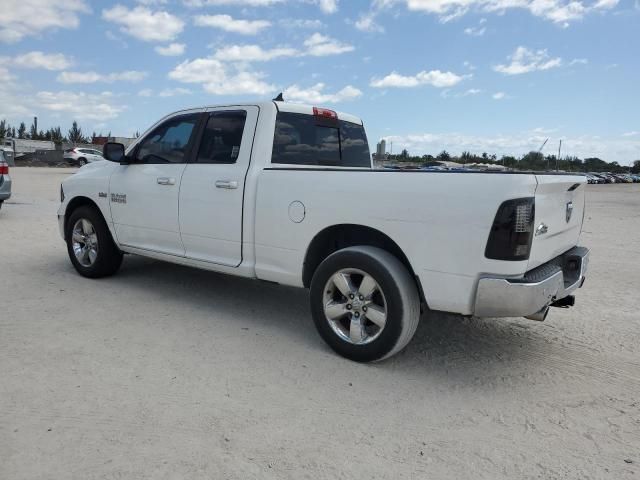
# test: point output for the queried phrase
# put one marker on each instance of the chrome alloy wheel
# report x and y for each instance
(355, 306)
(85, 242)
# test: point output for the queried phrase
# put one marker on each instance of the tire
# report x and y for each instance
(91, 231)
(82, 162)
(395, 294)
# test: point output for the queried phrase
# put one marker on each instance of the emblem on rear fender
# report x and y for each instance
(569, 211)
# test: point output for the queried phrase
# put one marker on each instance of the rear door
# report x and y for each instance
(560, 207)
(212, 188)
(144, 194)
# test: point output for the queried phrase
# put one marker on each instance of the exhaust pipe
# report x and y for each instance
(566, 302)
(539, 316)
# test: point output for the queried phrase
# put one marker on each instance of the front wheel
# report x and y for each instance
(364, 303)
(89, 244)
(82, 162)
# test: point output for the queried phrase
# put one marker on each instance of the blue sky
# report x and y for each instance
(495, 76)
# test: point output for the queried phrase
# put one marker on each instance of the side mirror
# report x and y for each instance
(114, 152)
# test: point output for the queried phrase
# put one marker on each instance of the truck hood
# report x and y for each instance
(559, 212)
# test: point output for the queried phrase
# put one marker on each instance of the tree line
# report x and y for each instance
(530, 161)
(53, 134)
(74, 135)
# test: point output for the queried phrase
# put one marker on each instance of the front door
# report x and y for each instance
(211, 193)
(144, 194)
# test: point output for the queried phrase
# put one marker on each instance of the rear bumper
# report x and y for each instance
(556, 279)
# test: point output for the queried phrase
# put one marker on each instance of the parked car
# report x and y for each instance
(81, 156)
(287, 193)
(5, 179)
(599, 178)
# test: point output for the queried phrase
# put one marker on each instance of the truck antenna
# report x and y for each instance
(279, 98)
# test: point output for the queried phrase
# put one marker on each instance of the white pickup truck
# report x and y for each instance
(287, 193)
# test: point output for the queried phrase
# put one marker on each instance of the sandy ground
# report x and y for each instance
(165, 372)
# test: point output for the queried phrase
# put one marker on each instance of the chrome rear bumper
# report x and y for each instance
(500, 297)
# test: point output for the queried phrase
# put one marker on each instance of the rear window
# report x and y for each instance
(302, 139)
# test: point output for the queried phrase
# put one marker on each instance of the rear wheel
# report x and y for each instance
(89, 244)
(82, 161)
(364, 303)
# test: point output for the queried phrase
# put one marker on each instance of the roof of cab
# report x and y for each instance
(282, 107)
(308, 109)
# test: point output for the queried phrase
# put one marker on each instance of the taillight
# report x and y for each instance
(512, 230)
(325, 113)
(4, 168)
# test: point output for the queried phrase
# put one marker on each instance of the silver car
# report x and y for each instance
(5, 179)
(81, 156)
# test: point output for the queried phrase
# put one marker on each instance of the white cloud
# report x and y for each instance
(300, 23)
(316, 45)
(316, 94)
(499, 96)
(578, 61)
(446, 93)
(434, 78)
(93, 77)
(241, 3)
(172, 92)
(145, 92)
(22, 18)
(367, 23)
(557, 11)
(319, 45)
(475, 31)
(631, 134)
(252, 53)
(220, 79)
(524, 60)
(171, 50)
(229, 24)
(47, 61)
(328, 6)
(80, 105)
(145, 24)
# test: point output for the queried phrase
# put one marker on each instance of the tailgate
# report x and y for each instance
(560, 206)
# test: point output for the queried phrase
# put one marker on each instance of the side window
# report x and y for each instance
(302, 139)
(222, 137)
(169, 142)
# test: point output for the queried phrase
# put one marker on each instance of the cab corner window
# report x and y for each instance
(168, 143)
(222, 137)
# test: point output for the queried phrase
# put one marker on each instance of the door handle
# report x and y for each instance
(228, 184)
(166, 181)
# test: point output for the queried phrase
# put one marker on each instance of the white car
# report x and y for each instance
(81, 156)
(287, 193)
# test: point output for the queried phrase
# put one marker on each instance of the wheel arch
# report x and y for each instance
(77, 202)
(336, 237)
